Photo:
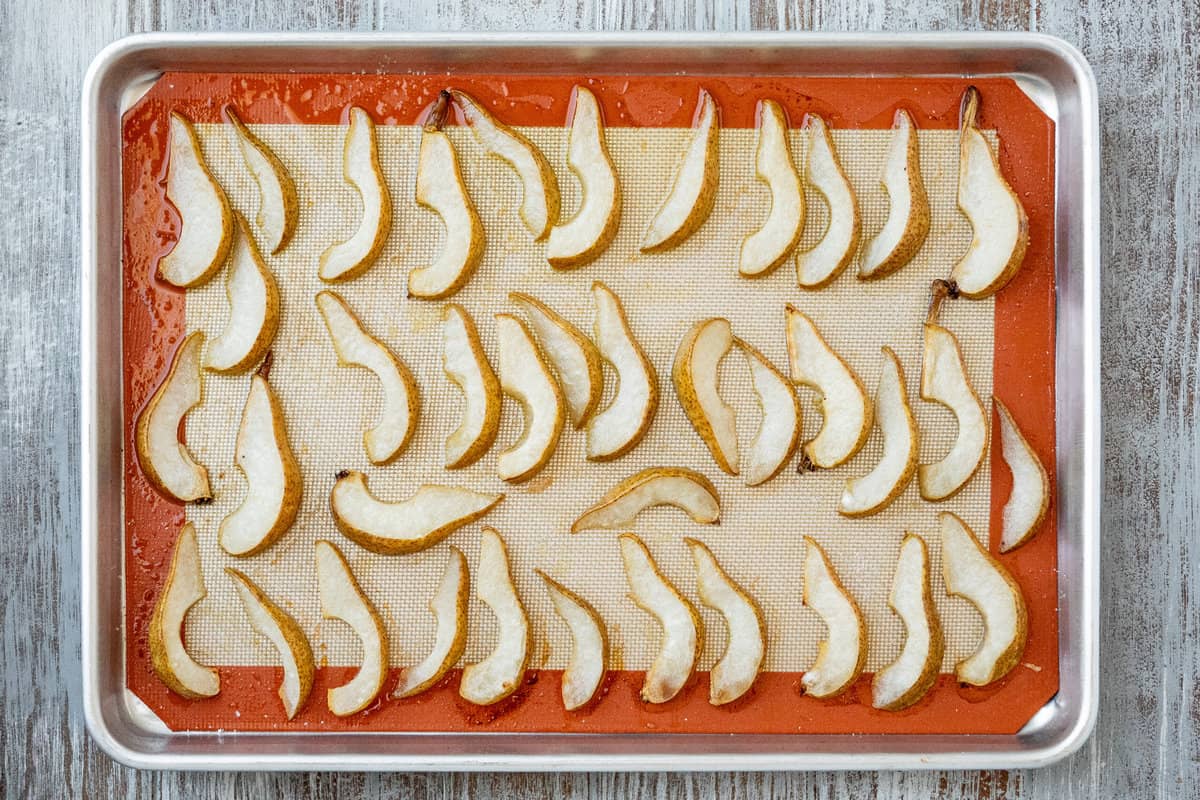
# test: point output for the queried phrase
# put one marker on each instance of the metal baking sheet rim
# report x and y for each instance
(1052, 71)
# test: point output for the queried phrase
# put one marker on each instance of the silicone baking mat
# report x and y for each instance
(759, 540)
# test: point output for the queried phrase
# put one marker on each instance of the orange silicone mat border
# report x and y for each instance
(1024, 370)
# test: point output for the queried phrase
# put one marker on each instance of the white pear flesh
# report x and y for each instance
(253, 307)
(386, 440)
(845, 408)
(842, 655)
(467, 366)
(618, 427)
(539, 187)
(587, 666)
(278, 203)
(343, 599)
(697, 385)
(1000, 228)
(440, 188)
(165, 460)
(525, 376)
(682, 630)
(1030, 498)
(820, 265)
(273, 482)
(205, 217)
(576, 361)
(694, 189)
(779, 425)
(285, 634)
(499, 674)
(183, 588)
(347, 260)
(907, 222)
(581, 239)
(431, 514)
(739, 665)
(768, 247)
(944, 380)
(685, 489)
(449, 608)
(907, 679)
(870, 493)
(972, 574)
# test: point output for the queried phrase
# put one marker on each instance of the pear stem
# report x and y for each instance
(264, 369)
(939, 290)
(439, 111)
(969, 108)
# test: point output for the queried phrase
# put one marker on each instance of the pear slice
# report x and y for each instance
(575, 359)
(465, 363)
(1030, 497)
(738, 667)
(683, 631)
(618, 427)
(449, 607)
(356, 348)
(696, 378)
(539, 187)
(581, 239)
(589, 644)
(253, 307)
(278, 204)
(430, 515)
(907, 679)
(348, 259)
(282, 631)
(165, 460)
(843, 654)
(183, 588)
(694, 189)
(273, 482)
(440, 188)
(870, 493)
(779, 428)
(944, 381)
(907, 222)
(1000, 227)
(768, 247)
(682, 488)
(818, 267)
(206, 219)
(972, 574)
(342, 598)
(525, 376)
(501, 672)
(845, 408)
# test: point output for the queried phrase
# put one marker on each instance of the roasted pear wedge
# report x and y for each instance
(283, 632)
(685, 489)
(768, 247)
(205, 216)
(1030, 498)
(589, 644)
(165, 460)
(449, 607)
(683, 631)
(253, 307)
(500, 674)
(183, 588)
(466, 365)
(910, 677)
(618, 427)
(525, 376)
(739, 665)
(585, 236)
(694, 189)
(421, 521)
(972, 574)
(907, 223)
(539, 187)
(576, 361)
(843, 654)
(817, 267)
(342, 598)
(696, 378)
(347, 260)
(278, 203)
(779, 427)
(944, 380)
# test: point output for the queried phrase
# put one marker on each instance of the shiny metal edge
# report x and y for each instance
(1055, 732)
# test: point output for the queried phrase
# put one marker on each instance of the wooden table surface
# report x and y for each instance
(1144, 53)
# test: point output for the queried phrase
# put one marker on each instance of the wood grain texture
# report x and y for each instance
(1145, 56)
